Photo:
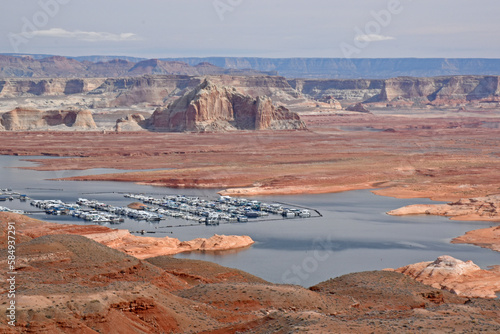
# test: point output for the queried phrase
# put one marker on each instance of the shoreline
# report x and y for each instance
(389, 189)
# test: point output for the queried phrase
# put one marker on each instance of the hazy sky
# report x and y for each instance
(260, 28)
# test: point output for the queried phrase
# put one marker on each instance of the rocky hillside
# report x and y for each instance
(71, 284)
(62, 67)
(210, 107)
(21, 119)
(459, 277)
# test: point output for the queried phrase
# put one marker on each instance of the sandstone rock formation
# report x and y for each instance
(462, 278)
(481, 208)
(134, 122)
(21, 119)
(332, 102)
(210, 107)
(358, 107)
(146, 247)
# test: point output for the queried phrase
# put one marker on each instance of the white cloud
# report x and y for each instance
(88, 36)
(372, 38)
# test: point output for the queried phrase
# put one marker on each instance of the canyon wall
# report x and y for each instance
(439, 91)
(340, 89)
(152, 89)
(161, 90)
(29, 119)
(442, 90)
(12, 88)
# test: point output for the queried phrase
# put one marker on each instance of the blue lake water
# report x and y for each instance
(354, 234)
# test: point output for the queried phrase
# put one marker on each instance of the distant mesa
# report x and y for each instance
(21, 119)
(62, 67)
(210, 107)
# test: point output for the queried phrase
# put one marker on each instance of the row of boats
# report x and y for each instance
(210, 212)
(8, 194)
(224, 208)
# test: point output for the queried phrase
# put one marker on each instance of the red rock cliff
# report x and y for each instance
(210, 107)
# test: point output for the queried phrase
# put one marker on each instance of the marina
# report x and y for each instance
(224, 209)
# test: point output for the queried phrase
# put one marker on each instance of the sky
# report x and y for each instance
(253, 28)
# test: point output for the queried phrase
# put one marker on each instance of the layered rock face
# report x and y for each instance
(151, 89)
(159, 90)
(449, 90)
(339, 89)
(442, 90)
(11, 88)
(210, 107)
(30, 119)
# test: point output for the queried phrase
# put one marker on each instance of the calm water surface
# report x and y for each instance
(353, 235)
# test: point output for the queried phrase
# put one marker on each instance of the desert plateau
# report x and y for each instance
(230, 167)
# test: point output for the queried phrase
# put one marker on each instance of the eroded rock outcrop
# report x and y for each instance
(358, 107)
(21, 119)
(462, 278)
(134, 122)
(146, 247)
(210, 107)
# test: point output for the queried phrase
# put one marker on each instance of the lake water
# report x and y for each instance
(354, 234)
